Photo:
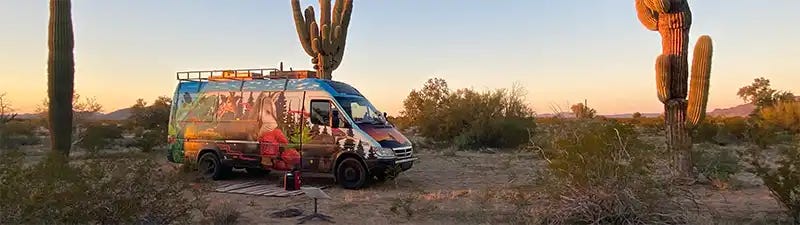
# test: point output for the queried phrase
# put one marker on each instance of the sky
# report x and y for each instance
(562, 52)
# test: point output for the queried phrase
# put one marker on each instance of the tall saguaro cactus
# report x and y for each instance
(672, 19)
(60, 75)
(325, 41)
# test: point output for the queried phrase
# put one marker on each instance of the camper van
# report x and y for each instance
(265, 120)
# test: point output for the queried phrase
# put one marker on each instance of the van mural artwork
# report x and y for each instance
(272, 123)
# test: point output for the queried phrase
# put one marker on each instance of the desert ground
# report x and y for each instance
(468, 188)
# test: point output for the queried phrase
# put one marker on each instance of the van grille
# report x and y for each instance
(403, 152)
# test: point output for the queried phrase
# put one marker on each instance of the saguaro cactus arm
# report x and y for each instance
(701, 75)
(301, 26)
(663, 70)
(658, 6)
(648, 17)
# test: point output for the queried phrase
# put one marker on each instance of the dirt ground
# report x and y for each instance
(451, 188)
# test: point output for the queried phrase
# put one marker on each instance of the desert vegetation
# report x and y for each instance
(467, 118)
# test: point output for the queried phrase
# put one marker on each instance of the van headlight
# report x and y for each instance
(385, 152)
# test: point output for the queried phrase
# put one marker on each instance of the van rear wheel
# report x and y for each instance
(211, 168)
(351, 173)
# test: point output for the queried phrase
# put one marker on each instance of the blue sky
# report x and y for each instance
(562, 51)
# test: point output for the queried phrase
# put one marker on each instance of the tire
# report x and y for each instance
(210, 167)
(257, 171)
(351, 174)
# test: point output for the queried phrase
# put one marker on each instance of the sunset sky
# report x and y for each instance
(562, 51)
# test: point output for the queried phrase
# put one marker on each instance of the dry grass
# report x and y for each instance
(475, 188)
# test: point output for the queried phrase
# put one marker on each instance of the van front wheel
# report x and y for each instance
(351, 174)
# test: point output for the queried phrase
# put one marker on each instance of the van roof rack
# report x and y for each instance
(244, 74)
(233, 74)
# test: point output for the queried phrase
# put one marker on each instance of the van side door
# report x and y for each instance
(325, 133)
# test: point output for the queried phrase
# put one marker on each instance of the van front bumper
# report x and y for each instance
(381, 165)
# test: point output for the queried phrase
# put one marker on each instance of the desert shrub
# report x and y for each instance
(761, 134)
(651, 124)
(502, 133)
(718, 165)
(705, 131)
(95, 191)
(404, 205)
(99, 136)
(735, 127)
(783, 115)
(14, 134)
(780, 176)
(223, 214)
(469, 118)
(147, 140)
(600, 172)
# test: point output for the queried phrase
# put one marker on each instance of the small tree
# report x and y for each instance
(6, 115)
(149, 123)
(582, 111)
(762, 95)
(637, 115)
(421, 107)
(6, 112)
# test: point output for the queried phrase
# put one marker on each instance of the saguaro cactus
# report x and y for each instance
(673, 19)
(60, 74)
(324, 42)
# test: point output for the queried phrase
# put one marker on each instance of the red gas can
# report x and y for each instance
(291, 181)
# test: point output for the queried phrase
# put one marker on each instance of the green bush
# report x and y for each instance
(98, 191)
(733, 128)
(223, 214)
(147, 140)
(468, 118)
(782, 177)
(704, 132)
(761, 134)
(718, 165)
(99, 136)
(783, 115)
(500, 133)
(18, 133)
(600, 172)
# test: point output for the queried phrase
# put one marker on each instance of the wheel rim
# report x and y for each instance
(208, 167)
(351, 173)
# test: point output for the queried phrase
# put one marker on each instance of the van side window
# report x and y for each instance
(321, 112)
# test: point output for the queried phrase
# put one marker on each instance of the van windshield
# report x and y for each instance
(361, 111)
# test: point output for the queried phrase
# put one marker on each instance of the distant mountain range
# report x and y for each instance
(736, 111)
(120, 114)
